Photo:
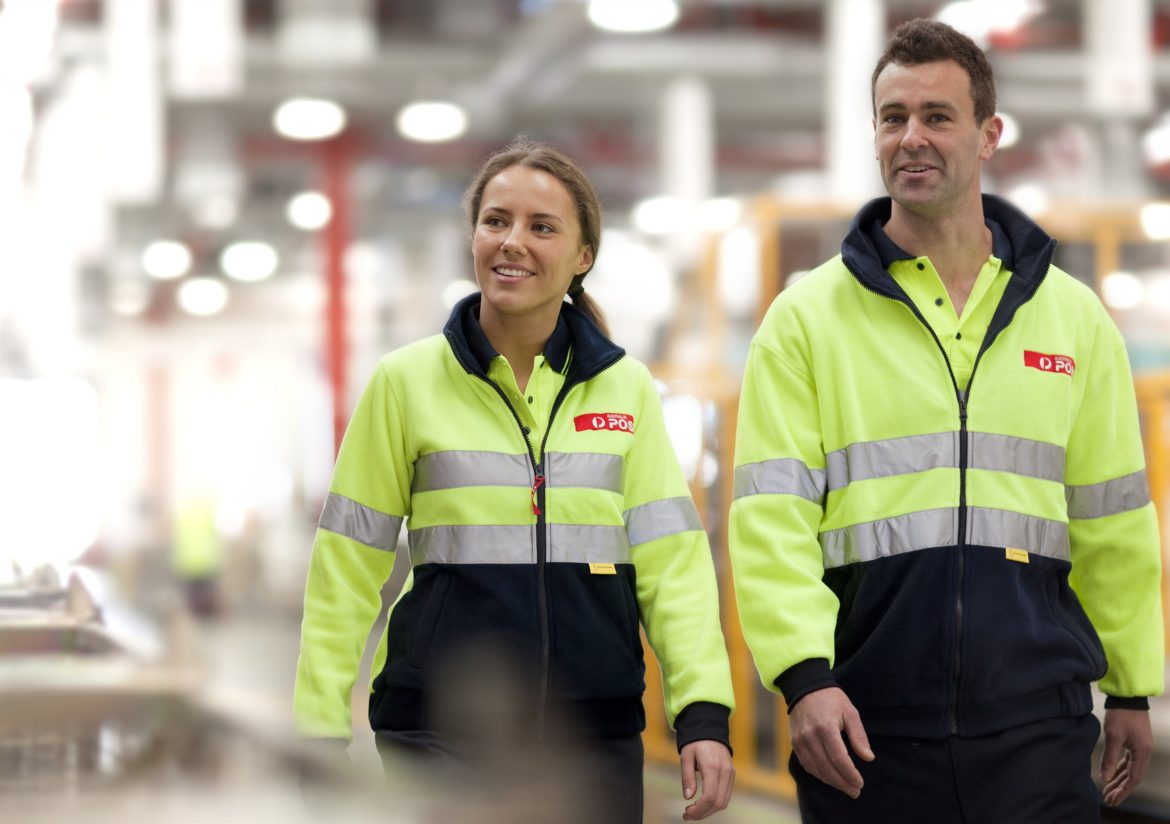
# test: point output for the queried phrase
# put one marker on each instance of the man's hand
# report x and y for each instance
(1129, 743)
(712, 761)
(816, 724)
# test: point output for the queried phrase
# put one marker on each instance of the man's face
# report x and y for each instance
(929, 146)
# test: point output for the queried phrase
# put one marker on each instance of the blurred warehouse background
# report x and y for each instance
(215, 215)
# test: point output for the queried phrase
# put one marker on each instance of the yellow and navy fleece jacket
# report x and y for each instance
(549, 524)
(959, 554)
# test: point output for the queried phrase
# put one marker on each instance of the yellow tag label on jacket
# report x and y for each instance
(603, 569)
(1018, 555)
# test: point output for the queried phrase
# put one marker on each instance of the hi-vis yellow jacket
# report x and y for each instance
(959, 559)
(551, 549)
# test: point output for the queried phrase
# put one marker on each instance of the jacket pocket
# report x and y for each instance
(427, 623)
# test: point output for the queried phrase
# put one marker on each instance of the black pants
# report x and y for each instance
(1039, 773)
(569, 780)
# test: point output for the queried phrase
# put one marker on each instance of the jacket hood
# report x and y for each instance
(1032, 250)
(576, 347)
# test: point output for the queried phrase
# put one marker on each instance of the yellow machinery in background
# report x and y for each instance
(790, 238)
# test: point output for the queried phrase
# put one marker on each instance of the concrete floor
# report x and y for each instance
(251, 661)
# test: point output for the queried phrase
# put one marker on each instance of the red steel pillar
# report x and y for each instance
(337, 161)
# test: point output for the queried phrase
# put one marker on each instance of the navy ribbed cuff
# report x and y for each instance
(800, 679)
(702, 721)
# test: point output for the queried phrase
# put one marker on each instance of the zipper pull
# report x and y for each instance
(537, 484)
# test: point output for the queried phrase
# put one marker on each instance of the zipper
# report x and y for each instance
(540, 509)
(962, 398)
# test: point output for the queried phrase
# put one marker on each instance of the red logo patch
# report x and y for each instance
(1049, 363)
(611, 421)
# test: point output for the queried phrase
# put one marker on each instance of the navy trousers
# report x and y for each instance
(1039, 773)
(570, 780)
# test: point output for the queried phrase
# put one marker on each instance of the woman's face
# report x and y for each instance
(527, 245)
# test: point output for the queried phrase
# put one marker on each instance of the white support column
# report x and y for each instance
(856, 32)
(1119, 87)
(135, 121)
(686, 141)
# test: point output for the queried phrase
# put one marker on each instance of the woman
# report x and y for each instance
(546, 514)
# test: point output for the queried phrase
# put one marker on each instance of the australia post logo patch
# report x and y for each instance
(1049, 363)
(608, 421)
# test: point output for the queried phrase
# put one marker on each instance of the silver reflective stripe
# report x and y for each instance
(575, 543)
(918, 453)
(473, 545)
(659, 519)
(450, 470)
(598, 470)
(999, 527)
(1109, 497)
(895, 456)
(889, 536)
(781, 476)
(1020, 456)
(360, 523)
(568, 543)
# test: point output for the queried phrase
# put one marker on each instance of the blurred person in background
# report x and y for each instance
(942, 532)
(547, 519)
(197, 553)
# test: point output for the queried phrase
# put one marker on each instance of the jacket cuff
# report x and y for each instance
(1113, 702)
(800, 679)
(702, 721)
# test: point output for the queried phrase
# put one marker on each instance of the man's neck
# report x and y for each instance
(957, 245)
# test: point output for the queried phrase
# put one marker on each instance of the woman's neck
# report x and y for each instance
(519, 339)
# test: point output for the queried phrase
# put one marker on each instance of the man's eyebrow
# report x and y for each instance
(929, 104)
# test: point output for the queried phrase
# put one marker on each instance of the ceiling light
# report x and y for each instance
(1011, 131)
(978, 20)
(1156, 143)
(307, 118)
(202, 296)
(309, 211)
(1122, 290)
(1030, 198)
(661, 215)
(249, 260)
(719, 214)
(629, 17)
(166, 260)
(431, 121)
(1155, 219)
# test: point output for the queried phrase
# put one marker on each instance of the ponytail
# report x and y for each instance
(588, 305)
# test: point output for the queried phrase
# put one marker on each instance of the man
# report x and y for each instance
(941, 531)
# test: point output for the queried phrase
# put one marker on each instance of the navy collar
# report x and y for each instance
(889, 252)
(576, 348)
(556, 349)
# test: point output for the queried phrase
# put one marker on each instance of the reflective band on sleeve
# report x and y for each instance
(781, 476)
(597, 470)
(895, 456)
(1109, 497)
(889, 536)
(450, 470)
(999, 527)
(659, 519)
(360, 523)
(568, 543)
(1020, 456)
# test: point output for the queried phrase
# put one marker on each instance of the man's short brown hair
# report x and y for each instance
(928, 41)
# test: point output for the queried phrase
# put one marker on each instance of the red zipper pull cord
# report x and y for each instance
(537, 484)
